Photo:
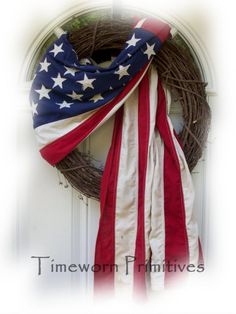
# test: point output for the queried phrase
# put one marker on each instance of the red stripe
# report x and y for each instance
(58, 149)
(143, 140)
(176, 241)
(201, 258)
(157, 27)
(105, 244)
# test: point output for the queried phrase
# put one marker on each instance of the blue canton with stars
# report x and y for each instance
(65, 86)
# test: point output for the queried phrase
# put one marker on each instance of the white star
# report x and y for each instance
(133, 41)
(65, 104)
(75, 96)
(71, 71)
(34, 108)
(122, 71)
(44, 65)
(86, 82)
(111, 88)
(58, 80)
(43, 92)
(150, 50)
(57, 49)
(96, 98)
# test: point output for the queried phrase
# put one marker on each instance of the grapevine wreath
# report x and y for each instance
(177, 70)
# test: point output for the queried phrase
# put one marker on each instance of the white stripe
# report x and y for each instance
(150, 160)
(157, 234)
(126, 197)
(155, 185)
(48, 133)
(140, 23)
(150, 164)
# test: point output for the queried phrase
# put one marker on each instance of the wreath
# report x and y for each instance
(177, 70)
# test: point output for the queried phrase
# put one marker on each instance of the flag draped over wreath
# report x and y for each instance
(146, 193)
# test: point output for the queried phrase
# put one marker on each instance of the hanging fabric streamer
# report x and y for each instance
(147, 195)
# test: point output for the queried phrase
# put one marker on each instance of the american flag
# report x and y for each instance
(147, 194)
(67, 90)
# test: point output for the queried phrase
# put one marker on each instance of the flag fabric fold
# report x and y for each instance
(147, 218)
(68, 91)
(147, 195)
